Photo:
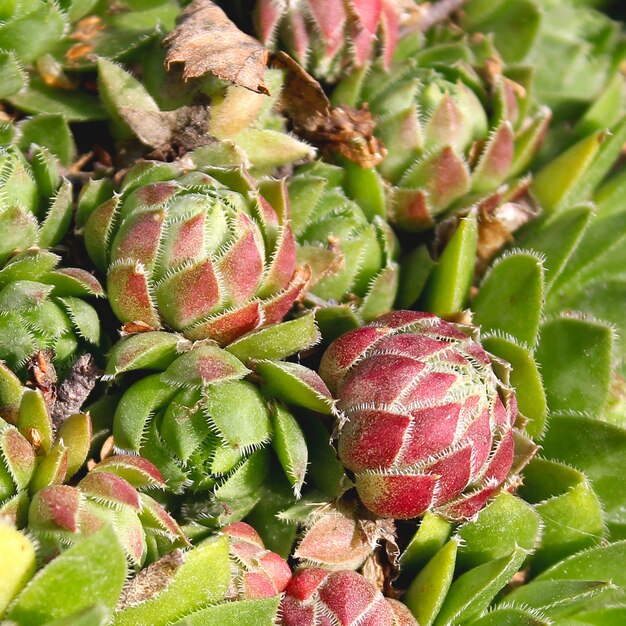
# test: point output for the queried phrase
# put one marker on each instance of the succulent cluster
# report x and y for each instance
(338, 348)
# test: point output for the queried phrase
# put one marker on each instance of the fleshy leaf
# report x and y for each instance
(290, 446)
(510, 298)
(17, 563)
(94, 570)
(240, 613)
(450, 280)
(599, 450)
(426, 594)
(277, 341)
(202, 578)
(575, 356)
(502, 526)
(295, 384)
(471, 593)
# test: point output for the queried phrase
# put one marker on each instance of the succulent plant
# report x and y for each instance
(204, 419)
(317, 596)
(403, 481)
(256, 572)
(399, 381)
(39, 459)
(445, 148)
(200, 252)
(35, 200)
(330, 37)
(568, 45)
(42, 307)
(350, 249)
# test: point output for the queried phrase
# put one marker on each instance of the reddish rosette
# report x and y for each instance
(428, 423)
(318, 597)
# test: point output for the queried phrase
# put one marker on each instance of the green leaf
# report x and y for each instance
(202, 579)
(525, 378)
(365, 186)
(204, 365)
(154, 350)
(557, 238)
(11, 391)
(295, 384)
(18, 563)
(119, 90)
(134, 410)
(57, 221)
(573, 176)
(515, 25)
(603, 563)
(599, 450)
(276, 495)
(432, 534)
(278, 341)
(450, 280)
(98, 615)
(46, 21)
(415, 269)
(427, 592)
(241, 613)
(472, 592)
(570, 510)
(512, 617)
(238, 414)
(246, 479)
(553, 597)
(12, 75)
(92, 571)
(510, 298)
(34, 416)
(50, 131)
(290, 446)
(605, 616)
(325, 472)
(74, 106)
(505, 524)
(575, 356)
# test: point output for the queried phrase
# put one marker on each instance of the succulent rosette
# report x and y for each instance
(35, 200)
(326, 37)
(43, 307)
(39, 459)
(200, 252)
(256, 572)
(429, 426)
(209, 417)
(350, 249)
(453, 137)
(317, 596)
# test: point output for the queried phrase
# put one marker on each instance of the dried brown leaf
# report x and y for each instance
(43, 376)
(303, 100)
(151, 581)
(206, 41)
(75, 389)
(184, 128)
(334, 130)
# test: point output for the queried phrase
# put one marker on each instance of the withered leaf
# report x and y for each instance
(206, 41)
(42, 375)
(302, 98)
(151, 581)
(334, 130)
(185, 127)
(75, 389)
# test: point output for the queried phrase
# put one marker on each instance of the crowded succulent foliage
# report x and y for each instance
(312, 313)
